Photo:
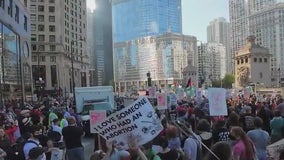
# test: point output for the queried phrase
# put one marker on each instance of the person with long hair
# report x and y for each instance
(222, 151)
(244, 148)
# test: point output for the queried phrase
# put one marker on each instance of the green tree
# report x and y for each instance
(228, 80)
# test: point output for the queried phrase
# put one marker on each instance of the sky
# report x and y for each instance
(196, 15)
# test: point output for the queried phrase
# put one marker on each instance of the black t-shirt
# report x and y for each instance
(72, 136)
(171, 155)
(221, 134)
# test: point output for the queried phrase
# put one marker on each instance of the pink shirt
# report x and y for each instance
(239, 149)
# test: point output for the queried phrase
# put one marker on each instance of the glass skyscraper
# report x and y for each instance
(134, 19)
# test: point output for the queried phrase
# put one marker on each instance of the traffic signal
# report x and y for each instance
(149, 81)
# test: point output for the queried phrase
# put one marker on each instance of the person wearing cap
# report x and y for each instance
(23, 114)
(72, 136)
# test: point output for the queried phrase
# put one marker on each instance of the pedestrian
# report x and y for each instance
(221, 151)
(244, 148)
(72, 136)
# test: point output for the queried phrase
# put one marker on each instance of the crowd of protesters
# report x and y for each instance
(35, 131)
(251, 125)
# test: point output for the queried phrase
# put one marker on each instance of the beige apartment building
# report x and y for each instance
(58, 39)
(252, 65)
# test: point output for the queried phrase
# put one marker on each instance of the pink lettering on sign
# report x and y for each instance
(97, 116)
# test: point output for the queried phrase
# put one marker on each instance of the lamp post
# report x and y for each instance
(72, 72)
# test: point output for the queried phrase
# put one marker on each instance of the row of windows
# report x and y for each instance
(50, 1)
(40, 18)
(42, 27)
(43, 58)
(52, 48)
(245, 60)
(42, 38)
(13, 11)
(40, 8)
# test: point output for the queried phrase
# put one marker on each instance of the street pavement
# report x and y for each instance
(88, 143)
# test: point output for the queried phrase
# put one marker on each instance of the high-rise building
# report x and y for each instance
(163, 56)
(15, 55)
(238, 25)
(218, 32)
(102, 67)
(133, 19)
(58, 35)
(263, 19)
(211, 62)
(147, 36)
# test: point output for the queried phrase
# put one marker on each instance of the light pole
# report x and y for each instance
(72, 72)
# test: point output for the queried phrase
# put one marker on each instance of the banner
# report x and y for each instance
(161, 101)
(95, 117)
(246, 93)
(217, 102)
(138, 121)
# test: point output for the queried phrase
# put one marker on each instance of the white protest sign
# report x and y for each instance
(138, 121)
(173, 99)
(162, 101)
(95, 117)
(217, 102)
(246, 93)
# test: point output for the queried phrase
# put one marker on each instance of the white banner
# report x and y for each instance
(138, 121)
(217, 102)
(162, 101)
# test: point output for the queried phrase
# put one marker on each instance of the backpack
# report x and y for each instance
(17, 150)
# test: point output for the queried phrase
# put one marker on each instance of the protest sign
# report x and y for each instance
(246, 93)
(217, 102)
(138, 121)
(152, 92)
(198, 94)
(180, 93)
(95, 117)
(173, 99)
(162, 101)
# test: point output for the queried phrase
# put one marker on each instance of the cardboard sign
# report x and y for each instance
(162, 101)
(138, 121)
(217, 102)
(95, 117)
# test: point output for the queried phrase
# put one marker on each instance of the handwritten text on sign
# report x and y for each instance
(138, 120)
(217, 102)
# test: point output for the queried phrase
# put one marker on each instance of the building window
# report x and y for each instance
(238, 61)
(52, 28)
(242, 61)
(51, 38)
(34, 58)
(260, 75)
(33, 37)
(41, 38)
(33, 17)
(17, 14)
(53, 75)
(40, 27)
(41, 48)
(41, 18)
(265, 60)
(41, 8)
(2, 4)
(246, 60)
(33, 27)
(25, 23)
(51, 1)
(34, 47)
(52, 48)
(51, 9)
(42, 58)
(255, 59)
(10, 8)
(51, 19)
(52, 58)
(260, 59)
